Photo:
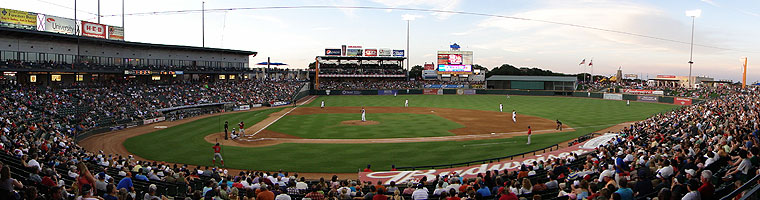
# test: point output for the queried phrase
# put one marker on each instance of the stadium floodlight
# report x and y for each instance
(693, 13)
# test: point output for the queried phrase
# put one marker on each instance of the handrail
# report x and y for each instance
(483, 161)
(751, 182)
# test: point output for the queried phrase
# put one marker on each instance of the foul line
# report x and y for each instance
(278, 118)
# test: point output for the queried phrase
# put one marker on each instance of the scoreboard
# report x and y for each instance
(454, 62)
(152, 72)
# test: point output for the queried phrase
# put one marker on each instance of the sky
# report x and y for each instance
(297, 36)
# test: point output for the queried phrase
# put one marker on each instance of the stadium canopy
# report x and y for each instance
(274, 63)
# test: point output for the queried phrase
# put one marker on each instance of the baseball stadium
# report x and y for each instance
(88, 114)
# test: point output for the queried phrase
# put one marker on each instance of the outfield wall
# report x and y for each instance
(597, 95)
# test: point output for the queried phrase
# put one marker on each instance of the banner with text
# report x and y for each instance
(90, 29)
(350, 92)
(398, 53)
(18, 19)
(647, 98)
(432, 91)
(115, 32)
(387, 92)
(49, 23)
(613, 96)
(682, 101)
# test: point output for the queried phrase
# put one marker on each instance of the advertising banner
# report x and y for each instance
(432, 91)
(343, 50)
(429, 74)
(370, 52)
(354, 52)
(682, 101)
(350, 92)
(255, 105)
(278, 103)
(637, 91)
(244, 107)
(90, 29)
(460, 91)
(429, 66)
(658, 92)
(387, 92)
(647, 98)
(49, 23)
(332, 52)
(115, 32)
(398, 52)
(18, 19)
(384, 52)
(154, 120)
(400, 177)
(613, 96)
(469, 91)
(666, 76)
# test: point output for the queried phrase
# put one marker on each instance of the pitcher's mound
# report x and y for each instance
(359, 122)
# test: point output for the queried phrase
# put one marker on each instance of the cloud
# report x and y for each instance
(711, 2)
(447, 5)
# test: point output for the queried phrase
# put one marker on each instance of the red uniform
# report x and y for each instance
(217, 149)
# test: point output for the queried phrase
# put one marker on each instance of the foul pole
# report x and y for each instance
(744, 75)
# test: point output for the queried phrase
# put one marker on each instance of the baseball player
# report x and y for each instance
(627, 102)
(217, 153)
(225, 130)
(406, 103)
(233, 133)
(529, 133)
(242, 128)
(559, 125)
(322, 105)
(364, 119)
(501, 107)
(507, 96)
(514, 116)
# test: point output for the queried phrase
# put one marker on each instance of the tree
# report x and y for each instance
(507, 69)
(313, 65)
(416, 72)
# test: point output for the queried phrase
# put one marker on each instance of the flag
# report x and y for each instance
(590, 62)
(583, 62)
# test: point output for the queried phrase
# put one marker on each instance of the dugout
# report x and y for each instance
(559, 83)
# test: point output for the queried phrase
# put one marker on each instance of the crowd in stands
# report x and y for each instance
(365, 69)
(703, 151)
(385, 84)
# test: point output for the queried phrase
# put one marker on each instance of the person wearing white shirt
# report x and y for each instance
(421, 193)
(282, 196)
(301, 185)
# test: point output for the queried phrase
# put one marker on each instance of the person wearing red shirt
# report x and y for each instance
(707, 190)
(368, 169)
(529, 133)
(217, 153)
(506, 194)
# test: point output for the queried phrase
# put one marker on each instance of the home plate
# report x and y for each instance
(159, 127)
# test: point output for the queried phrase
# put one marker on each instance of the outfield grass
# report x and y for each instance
(392, 125)
(185, 143)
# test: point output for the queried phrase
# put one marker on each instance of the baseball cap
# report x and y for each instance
(691, 172)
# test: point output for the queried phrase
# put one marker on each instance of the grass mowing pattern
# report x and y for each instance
(186, 145)
(392, 125)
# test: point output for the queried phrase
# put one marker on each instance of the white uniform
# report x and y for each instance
(406, 103)
(363, 115)
(514, 116)
(501, 108)
(322, 105)
(394, 94)
(627, 102)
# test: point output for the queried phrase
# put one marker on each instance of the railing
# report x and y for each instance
(750, 183)
(491, 160)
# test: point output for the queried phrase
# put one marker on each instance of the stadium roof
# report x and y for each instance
(531, 78)
(26, 33)
(360, 58)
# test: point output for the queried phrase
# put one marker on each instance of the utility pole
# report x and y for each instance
(98, 11)
(203, 24)
(407, 50)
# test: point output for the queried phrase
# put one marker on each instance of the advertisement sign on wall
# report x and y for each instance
(115, 32)
(90, 29)
(397, 52)
(647, 98)
(432, 91)
(49, 23)
(384, 52)
(278, 103)
(332, 52)
(350, 92)
(682, 101)
(370, 52)
(613, 96)
(387, 92)
(18, 19)
(354, 52)
(469, 91)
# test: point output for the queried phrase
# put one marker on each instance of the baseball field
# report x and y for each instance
(435, 129)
